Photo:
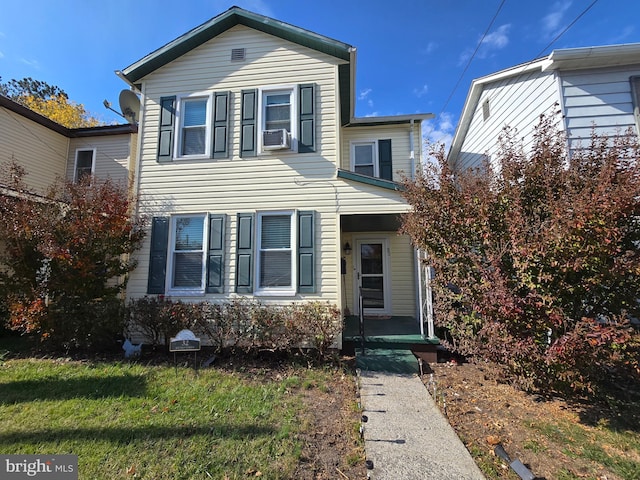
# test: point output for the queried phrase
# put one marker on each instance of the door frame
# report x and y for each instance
(386, 273)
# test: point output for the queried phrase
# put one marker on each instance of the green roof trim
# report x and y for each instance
(223, 22)
(376, 182)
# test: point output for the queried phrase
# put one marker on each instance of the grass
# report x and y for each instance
(600, 445)
(127, 420)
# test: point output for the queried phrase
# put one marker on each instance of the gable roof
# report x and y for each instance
(238, 16)
(562, 59)
(223, 22)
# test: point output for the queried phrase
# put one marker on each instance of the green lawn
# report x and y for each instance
(128, 420)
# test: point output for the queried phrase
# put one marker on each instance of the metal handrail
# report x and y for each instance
(361, 319)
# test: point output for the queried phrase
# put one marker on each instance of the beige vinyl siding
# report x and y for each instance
(41, 151)
(516, 102)
(272, 181)
(111, 157)
(597, 98)
(400, 145)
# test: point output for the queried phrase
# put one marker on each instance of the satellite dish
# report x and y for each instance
(129, 106)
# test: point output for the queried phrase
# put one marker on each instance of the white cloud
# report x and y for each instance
(552, 22)
(364, 93)
(498, 39)
(422, 91)
(1, 55)
(430, 48)
(257, 6)
(439, 130)
(31, 63)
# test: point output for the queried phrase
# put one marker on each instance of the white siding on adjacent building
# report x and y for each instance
(516, 102)
(111, 157)
(597, 98)
(41, 151)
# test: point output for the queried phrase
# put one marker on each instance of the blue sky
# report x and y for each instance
(411, 53)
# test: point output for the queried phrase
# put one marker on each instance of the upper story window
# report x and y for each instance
(365, 158)
(194, 126)
(372, 158)
(84, 164)
(278, 120)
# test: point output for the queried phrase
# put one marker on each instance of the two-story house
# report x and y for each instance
(259, 178)
(594, 87)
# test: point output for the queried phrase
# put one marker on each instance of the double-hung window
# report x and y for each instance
(194, 126)
(372, 158)
(364, 155)
(187, 253)
(84, 164)
(276, 244)
(278, 118)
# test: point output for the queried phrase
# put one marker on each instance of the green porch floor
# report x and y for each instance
(390, 344)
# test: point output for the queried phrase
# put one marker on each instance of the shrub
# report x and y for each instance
(240, 322)
(536, 256)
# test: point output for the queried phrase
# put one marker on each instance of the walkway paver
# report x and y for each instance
(406, 436)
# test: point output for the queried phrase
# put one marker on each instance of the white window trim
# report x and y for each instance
(177, 147)
(75, 163)
(287, 291)
(186, 291)
(352, 155)
(295, 116)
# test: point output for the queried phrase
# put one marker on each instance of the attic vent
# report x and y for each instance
(485, 109)
(237, 54)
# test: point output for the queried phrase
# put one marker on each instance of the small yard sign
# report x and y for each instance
(184, 341)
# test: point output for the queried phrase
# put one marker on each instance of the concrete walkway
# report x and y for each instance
(406, 436)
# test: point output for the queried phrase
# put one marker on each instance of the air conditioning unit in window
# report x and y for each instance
(275, 139)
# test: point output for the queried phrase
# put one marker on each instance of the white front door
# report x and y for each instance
(372, 276)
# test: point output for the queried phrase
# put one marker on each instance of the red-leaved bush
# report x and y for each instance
(64, 258)
(537, 257)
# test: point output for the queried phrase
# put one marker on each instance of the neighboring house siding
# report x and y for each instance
(400, 145)
(111, 158)
(516, 102)
(41, 151)
(597, 98)
(271, 181)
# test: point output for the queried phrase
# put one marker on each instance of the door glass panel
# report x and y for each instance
(371, 257)
(372, 292)
(372, 280)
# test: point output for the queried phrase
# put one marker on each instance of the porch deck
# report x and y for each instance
(390, 344)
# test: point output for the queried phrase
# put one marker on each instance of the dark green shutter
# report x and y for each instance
(244, 253)
(306, 262)
(167, 123)
(215, 257)
(384, 159)
(220, 141)
(306, 140)
(158, 255)
(248, 124)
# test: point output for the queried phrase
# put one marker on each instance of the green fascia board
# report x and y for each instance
(377, 182)
(223, 22)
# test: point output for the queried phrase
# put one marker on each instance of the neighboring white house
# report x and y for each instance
(260, 180)
(594, 87)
